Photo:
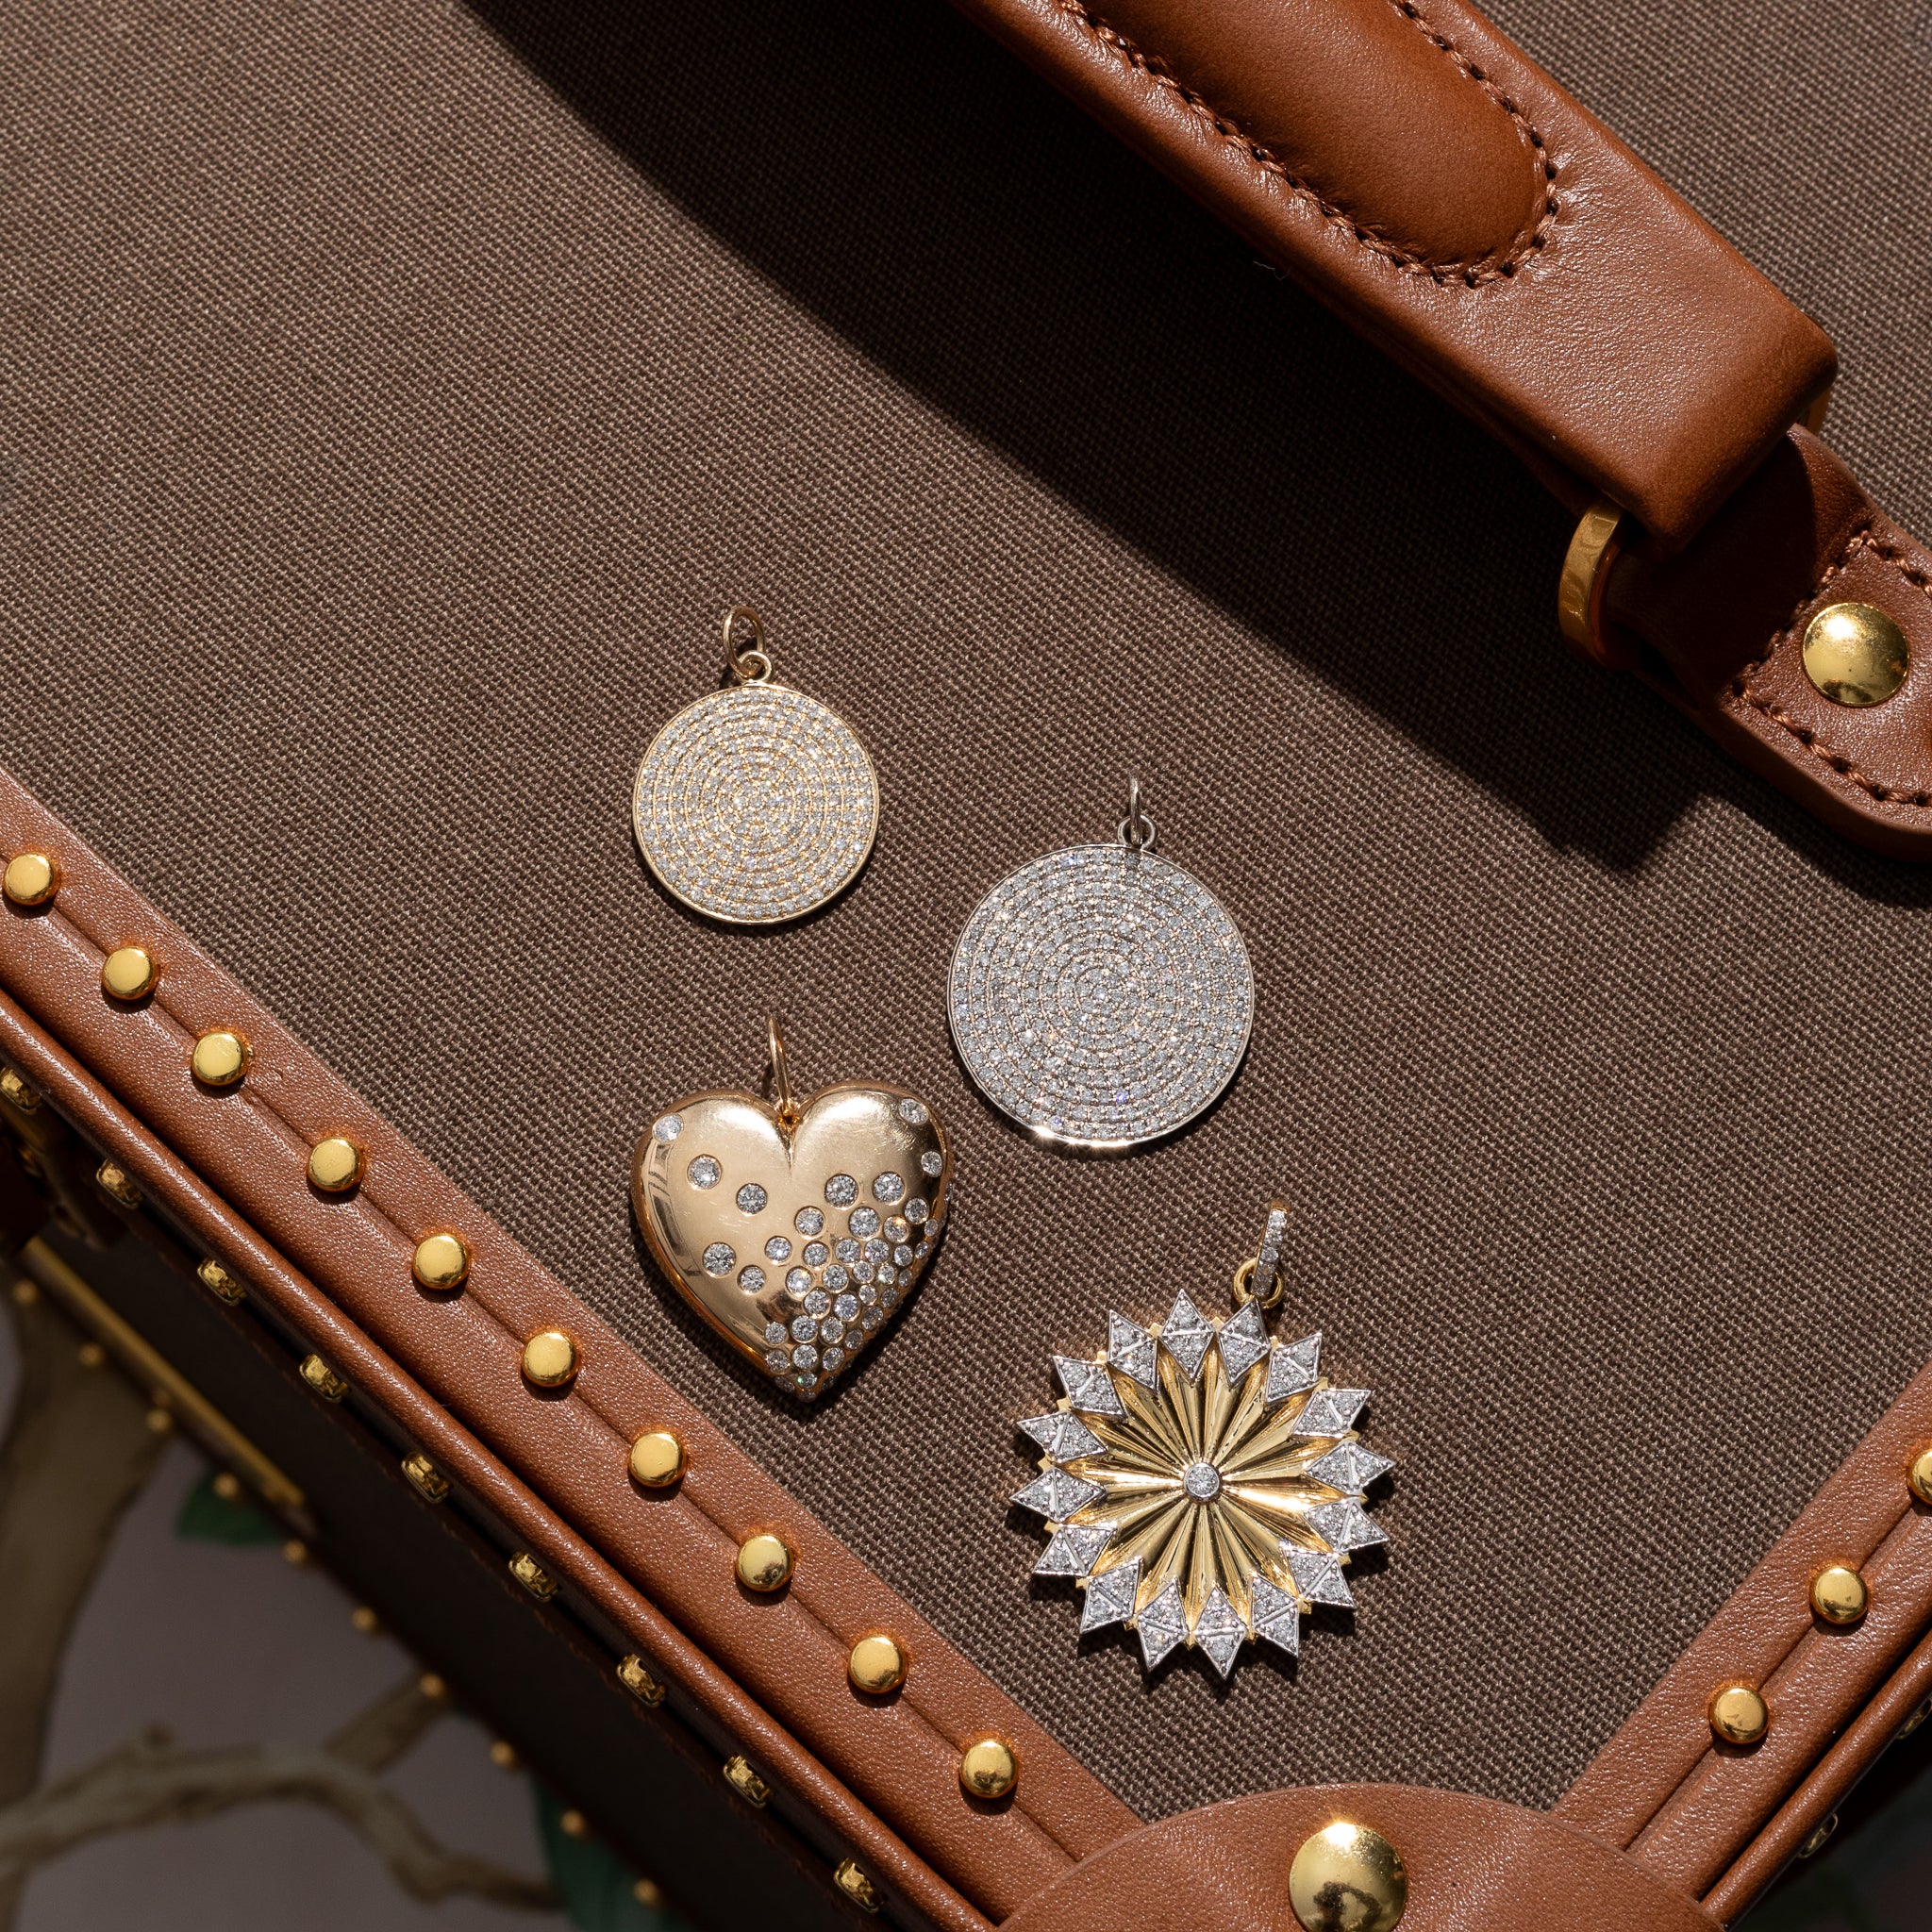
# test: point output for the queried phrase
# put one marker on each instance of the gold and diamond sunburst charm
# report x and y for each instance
(1203, 1485)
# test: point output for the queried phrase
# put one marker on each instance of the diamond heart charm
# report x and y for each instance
(797, 1229)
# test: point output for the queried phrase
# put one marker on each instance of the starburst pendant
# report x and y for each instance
(1203, 1485)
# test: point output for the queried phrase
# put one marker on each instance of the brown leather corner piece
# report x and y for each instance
(1814, 1801)
(164, 1179)
(1473, 1865)
(788, 1650)
(1726, 620)
(1621, 347)
(1686, 1807)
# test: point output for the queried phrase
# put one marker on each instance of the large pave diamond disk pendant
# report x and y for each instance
(796, 1229)
(1102, 996)
(756, 804)
(1204, 1486)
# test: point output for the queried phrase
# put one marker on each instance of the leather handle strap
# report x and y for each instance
(1421, 176)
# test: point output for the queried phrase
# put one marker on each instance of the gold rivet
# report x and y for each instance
(550, 1359)
(657, 1459)
(1855, 654)
(1815, 1843)
(365, 1619)
(432, 1689)
(295, 1552)
(1348, 1876)
(745, 1781)
(16, 1092)
(877, 1665)
(227, 1485)
(1839, 1595)
(851, 1878)
(219, 1057)
(427, 1478)
(158, 1421)
(129, 972)
(1738, 1715)
(322, 1379)
(574, 1825)
(763, 1562)
(648, 1895)
(504, 1755)
(440, 1263)
(335, 1165)
(1918, 1478)
(25, 1293)
(32, 878)
(533, 1576)
(988, 1769)
(91, 1355)
(637, 1680)
(217, 1281)
(114, 1179)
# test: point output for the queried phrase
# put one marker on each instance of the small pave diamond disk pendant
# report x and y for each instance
(796, 1228)
(1203, 1486)
(1102, 996)
(755, 805)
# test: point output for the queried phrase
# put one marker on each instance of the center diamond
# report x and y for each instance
(1202, 1481)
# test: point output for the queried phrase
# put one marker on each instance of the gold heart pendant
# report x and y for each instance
(797, 1231)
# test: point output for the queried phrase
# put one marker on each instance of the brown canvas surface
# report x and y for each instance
(395, 396)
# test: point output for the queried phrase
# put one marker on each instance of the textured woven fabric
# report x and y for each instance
(396, 395)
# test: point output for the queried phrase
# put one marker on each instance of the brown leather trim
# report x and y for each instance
(1820, 1794)
(1725, 623)
(789, 1649)
(1474, 1865)
(201, 1214)
(1686, 1807)
(1621, 347)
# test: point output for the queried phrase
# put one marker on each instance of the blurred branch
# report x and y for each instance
(76, 1452)
(152, 1782)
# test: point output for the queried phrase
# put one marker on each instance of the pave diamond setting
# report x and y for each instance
(755, 804)
(1101, 996)
(1202, 1486)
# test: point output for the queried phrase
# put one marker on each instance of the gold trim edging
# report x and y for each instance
(172, 1389)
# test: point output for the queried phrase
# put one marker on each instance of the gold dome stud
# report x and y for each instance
(764, 1563)
(129, 973)
(32, 878)
(988, 1769)
(1348, 1876)
(877, 1665)
(1918, 1477)
(440, 1263)
(335, 1165)
(657, 1459)
(1738, 1715)
(1856, 655)
(1840, 1595)
(550, 1359)
(219, 1057)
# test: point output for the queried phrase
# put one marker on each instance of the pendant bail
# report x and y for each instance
(781, 1079)
(752, 663)
(1258, 1278)
(1136, 832)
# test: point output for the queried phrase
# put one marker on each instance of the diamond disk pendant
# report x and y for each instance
(756, 804)
(1202, 1485)
(797, 1229)
(1102, 996)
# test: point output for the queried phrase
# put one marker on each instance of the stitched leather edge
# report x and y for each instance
(1473, 272)
(1861, 541)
